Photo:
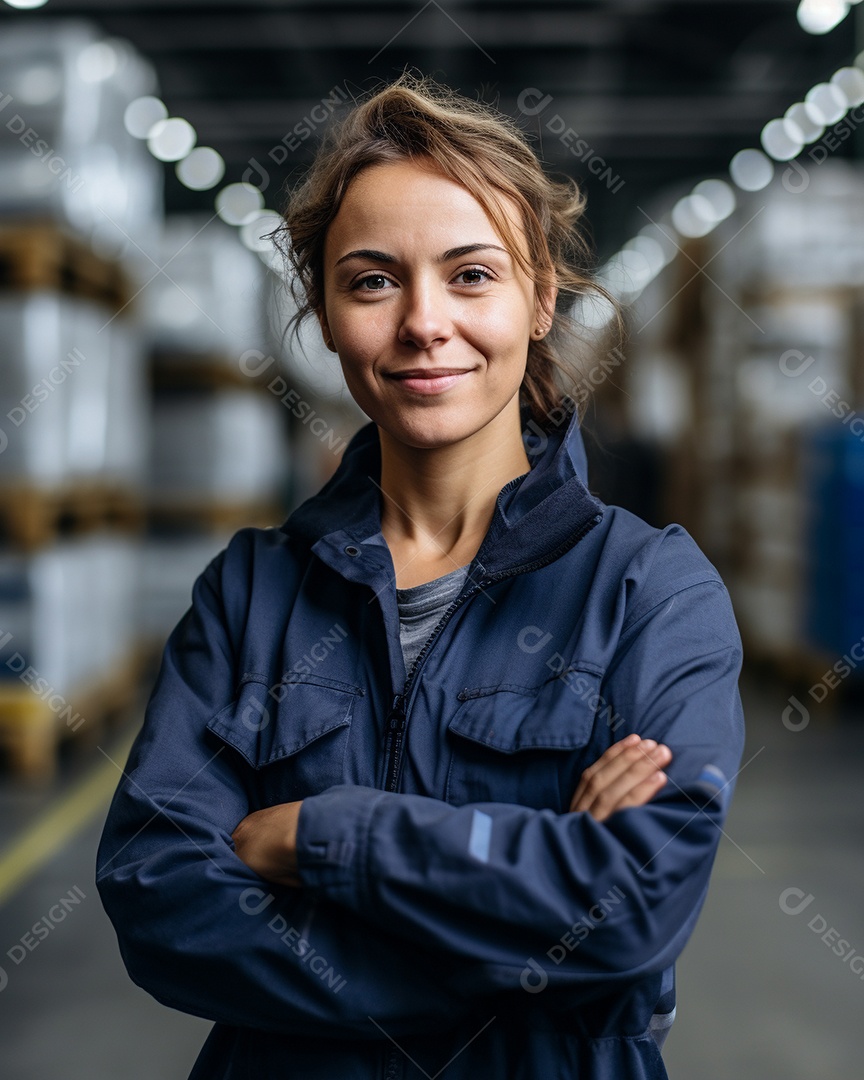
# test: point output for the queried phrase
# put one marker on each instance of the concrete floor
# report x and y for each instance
(760, 993)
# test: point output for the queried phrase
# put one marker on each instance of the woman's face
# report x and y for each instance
(416, 278)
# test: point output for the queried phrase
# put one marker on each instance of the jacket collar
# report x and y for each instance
(537, 515)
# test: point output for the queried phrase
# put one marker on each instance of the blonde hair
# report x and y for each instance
(488, 154)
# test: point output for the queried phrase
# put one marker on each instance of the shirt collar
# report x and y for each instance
(537, 515)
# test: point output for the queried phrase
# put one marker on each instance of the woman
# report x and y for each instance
(432, 778)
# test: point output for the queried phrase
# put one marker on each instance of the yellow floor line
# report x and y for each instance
(60, 822)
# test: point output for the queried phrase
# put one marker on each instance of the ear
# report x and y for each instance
(544, 308)
(325, 329)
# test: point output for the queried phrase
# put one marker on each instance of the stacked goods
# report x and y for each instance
(664, 378)
(775, 404)
(72, 396)
(65, 154)
(171, 563)
(66, 608)
(33, 402)
(834, 459)
(69, 647)
(215, 447)
(764, 333)
(72, 475)
(206, 304)
(220, 436)
(307, 379)
(792, 361)
(220, 447)
(78, 195)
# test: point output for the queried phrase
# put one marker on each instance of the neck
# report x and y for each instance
(439, 501)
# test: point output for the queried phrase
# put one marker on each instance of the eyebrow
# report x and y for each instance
(451, 253)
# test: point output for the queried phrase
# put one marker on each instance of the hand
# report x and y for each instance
(627, 774)
(267, 842)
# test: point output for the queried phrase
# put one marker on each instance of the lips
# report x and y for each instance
(427, 373)
(429, 380)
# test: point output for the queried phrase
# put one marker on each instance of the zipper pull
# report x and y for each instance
(396, 717)
(394, 725)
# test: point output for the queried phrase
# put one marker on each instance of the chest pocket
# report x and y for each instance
(523, 745)
(294, 734)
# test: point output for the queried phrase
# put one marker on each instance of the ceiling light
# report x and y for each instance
(719, 195)
(142, 114)
(801, 124)
(751, 170)
(238, 204)
(171, 139)
(826, 103)
(252, 232)
(692, 216)
(201, 169)
(850, 82)
(661, 235)
(820, 16)
(779, 140)
(97, 62)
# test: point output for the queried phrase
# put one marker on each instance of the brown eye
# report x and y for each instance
(481, 274)
(379, 279)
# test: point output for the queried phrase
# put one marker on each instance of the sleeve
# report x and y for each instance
(535, 898)
(197, 928)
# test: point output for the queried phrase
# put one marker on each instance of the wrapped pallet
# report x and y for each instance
(65, 153)
(37, 359)
(224, 446)
(69, 648)
(768, 340)
(171, 562)
(208, 304)
(73, 401)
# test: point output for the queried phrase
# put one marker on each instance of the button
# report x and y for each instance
(352, 549)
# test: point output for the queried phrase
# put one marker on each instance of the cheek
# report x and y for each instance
(504, 325)
(358, 332)
(503, 345)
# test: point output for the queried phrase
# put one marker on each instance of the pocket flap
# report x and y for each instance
(267, 723)
(509, 718)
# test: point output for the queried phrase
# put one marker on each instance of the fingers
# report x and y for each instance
(637, 796)
(611, 764)
(627, 774)
(602, 762)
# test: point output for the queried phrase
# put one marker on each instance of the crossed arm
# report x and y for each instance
(628, 774)
(208, 899)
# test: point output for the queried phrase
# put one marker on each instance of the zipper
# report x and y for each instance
(397, 719)
(392, 1065)
(395, 726)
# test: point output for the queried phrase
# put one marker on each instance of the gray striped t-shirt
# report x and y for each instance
(421, 606)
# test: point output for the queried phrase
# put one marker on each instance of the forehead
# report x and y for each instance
(402, 197)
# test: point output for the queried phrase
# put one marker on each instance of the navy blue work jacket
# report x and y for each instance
(455, 920)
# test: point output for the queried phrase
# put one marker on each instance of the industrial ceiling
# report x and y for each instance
(653, 93)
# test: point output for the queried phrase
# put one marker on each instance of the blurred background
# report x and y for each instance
(151, 405)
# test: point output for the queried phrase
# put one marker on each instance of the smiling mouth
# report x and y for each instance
(430, 381)
(427, 373)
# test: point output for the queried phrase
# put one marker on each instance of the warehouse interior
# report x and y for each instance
(151, 406)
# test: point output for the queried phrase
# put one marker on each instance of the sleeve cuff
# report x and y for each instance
(333, 836)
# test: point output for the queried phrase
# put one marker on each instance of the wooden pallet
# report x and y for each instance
(47, 255)
(35, 722)
(32, 517)
(214, 515)
(178, 370)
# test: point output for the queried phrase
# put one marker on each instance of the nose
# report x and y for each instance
(425, 319)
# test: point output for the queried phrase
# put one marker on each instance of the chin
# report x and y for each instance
(428, 428)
